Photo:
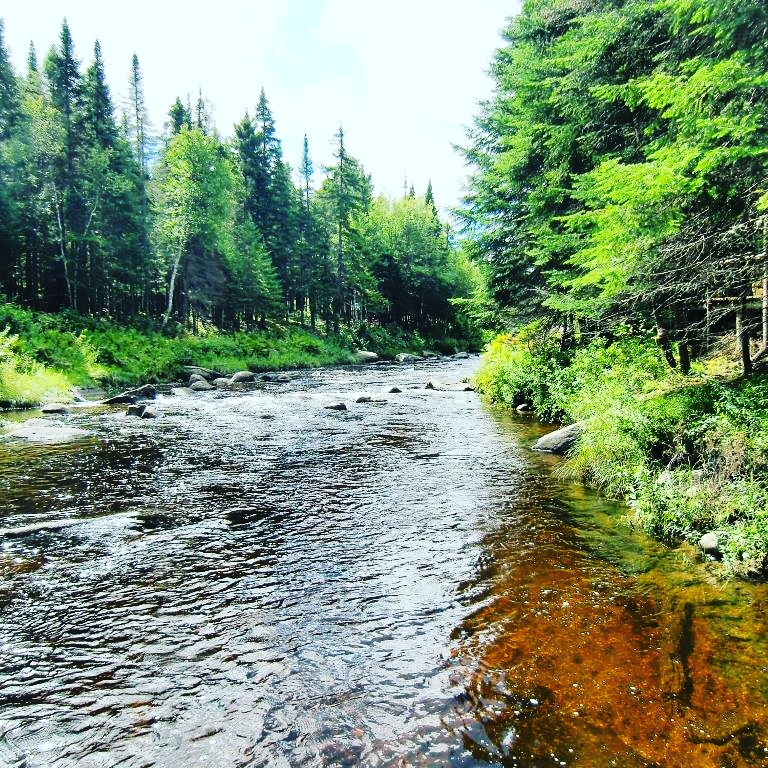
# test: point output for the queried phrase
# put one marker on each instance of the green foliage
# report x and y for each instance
(23, 381)
(639, 417)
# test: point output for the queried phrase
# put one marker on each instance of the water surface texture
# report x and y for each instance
(255, 580)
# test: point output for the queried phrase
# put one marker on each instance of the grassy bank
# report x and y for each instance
(688, 453)
(43, 356)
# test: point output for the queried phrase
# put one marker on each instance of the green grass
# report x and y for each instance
(637, 415)
(43, 356)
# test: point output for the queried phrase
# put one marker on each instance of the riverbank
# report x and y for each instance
(688, 453)
(44, 356)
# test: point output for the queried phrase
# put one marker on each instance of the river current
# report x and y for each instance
(253, 579)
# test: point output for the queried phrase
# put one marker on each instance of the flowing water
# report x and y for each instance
(255, 580)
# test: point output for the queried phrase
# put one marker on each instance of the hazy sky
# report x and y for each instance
(403, 77)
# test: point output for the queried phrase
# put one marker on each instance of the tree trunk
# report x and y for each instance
(172, 288)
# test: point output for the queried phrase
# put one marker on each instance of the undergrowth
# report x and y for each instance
(688, 453)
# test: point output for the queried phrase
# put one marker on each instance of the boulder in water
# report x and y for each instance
(54, 408)
(242, 377)
(364, 356)
(336, 407)
(559, 441)
(201, 386)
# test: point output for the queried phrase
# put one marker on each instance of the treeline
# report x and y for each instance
(97, 218)
(620, 171)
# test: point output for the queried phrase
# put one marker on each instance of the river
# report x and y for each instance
(252, 579)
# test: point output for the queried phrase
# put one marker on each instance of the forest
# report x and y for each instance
(184, 230)
(619, 203)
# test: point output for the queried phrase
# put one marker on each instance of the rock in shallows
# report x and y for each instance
(559, 441)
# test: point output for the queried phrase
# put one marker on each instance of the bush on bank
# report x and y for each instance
(689, 453)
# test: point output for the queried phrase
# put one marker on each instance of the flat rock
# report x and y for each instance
(364, 399)
(54, 408)
(43, 431)
(559, 441)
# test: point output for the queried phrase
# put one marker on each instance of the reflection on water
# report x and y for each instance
(256, 580)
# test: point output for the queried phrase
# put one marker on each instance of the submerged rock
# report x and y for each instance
(44, 431)
(364, 399)
(336, 407)
(559, 441)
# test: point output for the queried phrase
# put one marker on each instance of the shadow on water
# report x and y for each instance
(255, 580)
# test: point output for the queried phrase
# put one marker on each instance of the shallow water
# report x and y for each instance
(254, 580)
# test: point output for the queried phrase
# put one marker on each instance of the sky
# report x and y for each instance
(403, 77)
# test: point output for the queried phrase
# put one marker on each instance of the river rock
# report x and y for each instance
(460, 356)
(147, 392)
(404, 357)
(336, 407)
(440, 386)
(364, 356)
(137, 409)
(206, 373)
(221, 383)
(54, 408)
(364, 399)
(242, 377)
(710, 545)
(201, 386)
(559, 441)
(276, 378)
(195, 377)
(149, 413)
(523, 408)
(395, 391)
